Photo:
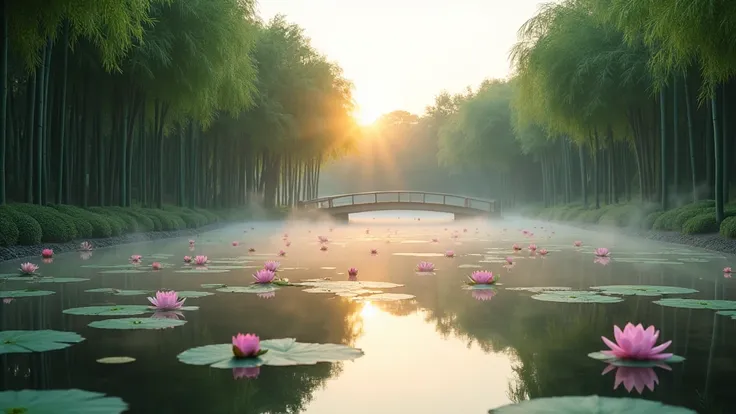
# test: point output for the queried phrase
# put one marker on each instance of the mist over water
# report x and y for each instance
(447, 350)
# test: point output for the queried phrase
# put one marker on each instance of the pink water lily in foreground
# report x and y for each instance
(271, 265)
(516, 247)
(85, 246)
(166, 300)
(156, 266)
(637, 343)
(635, 378)
(483, 294)
(250, 372)
(602, 252)
(353, 271)
(282, 253)
(577, 243)
(727, 270)
(28, 268)
(264, 276)
(532, 247)
(543, 252)
(482, 277)
(449, 253)
(425, 267)
(509, 260)
(136, 258)
(246, 346)
(187, 259)
(47, 253)
(200, 260)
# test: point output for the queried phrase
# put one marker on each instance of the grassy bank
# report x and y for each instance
(31, 224)
(694, 218)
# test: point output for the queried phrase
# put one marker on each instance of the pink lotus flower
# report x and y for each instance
(532, 247)
(28, 268)
(374, 251)
(166, 300)
(47, 253)
(282, 253)
(236, 243)
(637, 343)
(85, 255)
(543, 252)
(271, 265)
(449, 253)
(353, 271)
(482, 277)
(200, 260)
(288, 243)
(516, 247)
(264, 276)
(156, 266)
(604, 261)
(509, 260)
(250, 372)
(136, 258)
(726, 270)
(323, 239)
(323, 248)
(425, 267)
(577, 243)
(251, 250)
(85, 246)
(246, 346)
(637, 378)
(187, 259)
(483, 294)
(266, 295)
(602, 252)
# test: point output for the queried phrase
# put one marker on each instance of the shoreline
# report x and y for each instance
(20, 252)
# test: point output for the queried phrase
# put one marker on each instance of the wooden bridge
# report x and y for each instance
(341, 206)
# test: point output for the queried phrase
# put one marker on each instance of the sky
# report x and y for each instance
(400, 54)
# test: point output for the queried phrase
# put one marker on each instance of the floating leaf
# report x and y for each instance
(255, 288)
(346, 284)
(116, 360)
(112, 310)
(161, 256)
(36, 341)
(358, 292)
(122, 271)
(230, 262)
(192, 294)
(213, 285)
(385, 297)
(576, 297)
(137, 323)
(202, 270)
(468, 266)
(643, 290)
(633, 363)
(540, 289)
(697, 304)
(590, 405)
(732, 314)
(225, 267)
(281, 352)
(24, 293)
(59, 402)
(122, 266)
(60, 280)
(119, 292)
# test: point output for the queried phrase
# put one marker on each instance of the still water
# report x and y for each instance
(448, 350)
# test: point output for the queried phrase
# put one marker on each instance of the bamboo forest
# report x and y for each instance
(317, 207)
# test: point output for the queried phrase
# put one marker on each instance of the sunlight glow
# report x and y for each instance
(368, 311)
(366, 117)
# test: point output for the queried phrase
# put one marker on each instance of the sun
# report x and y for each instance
(366, 117)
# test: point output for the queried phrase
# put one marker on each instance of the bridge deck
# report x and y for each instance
(451, 203)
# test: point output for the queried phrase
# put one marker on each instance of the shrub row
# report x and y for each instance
(694, 218)
(30, 224)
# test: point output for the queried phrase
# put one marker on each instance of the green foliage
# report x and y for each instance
(29, 231)
(649, 220)
(143, 223)
(85, 226)
(8, 230)
(622, 216)
(169, 221)
(701, 224)
(56, 227)
(126, 222)
(728, 228)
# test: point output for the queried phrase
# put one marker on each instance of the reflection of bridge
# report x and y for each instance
(340, 206)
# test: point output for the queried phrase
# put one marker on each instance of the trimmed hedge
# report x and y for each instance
(80, 218)
(8, 231)
(728, 228)
(56, 227)
(29, 231)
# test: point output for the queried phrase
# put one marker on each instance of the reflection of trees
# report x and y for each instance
(398, 308)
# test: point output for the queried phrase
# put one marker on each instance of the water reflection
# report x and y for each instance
(635, 378)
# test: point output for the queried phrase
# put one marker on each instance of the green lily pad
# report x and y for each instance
(255, 288)
(643, 290)
(122, 271)
(358, 292)
(732, 314)
(213, 285)
(633, 363)
(119, 292)
(115, 360)
(697, 304)
(468, 266)
(384, 297)
(202, 270)
(228, 267)
(161, 256)
(575, 297)
(112, 310)
(230, 262)
(281, 352)
(592, 404)
(137, 323)
(192, 294)
(540, 289)
(36, 341)
(122, 266)
(59, 402)
(60, 280)
(24, 293)
(345, 284)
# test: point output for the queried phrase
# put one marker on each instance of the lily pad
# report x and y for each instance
(60, 280)
(643, 290)
(633, 363)
(697, 304)
(193, 294)
(540, 289)
(24, 293)
(592, 404)
(137, 323)
(119, 292)
(116, 360)
(345, 285)
(161, 256)
(112, 310)
(121, 266)
(213, 285)
(225, 267)
(36, 341)
(385, 297)
(576, 297)
(60, 402)
(122, 271)
(255, 288)
(468, 266)
(281, 352)
(732, 314)
(202, 270)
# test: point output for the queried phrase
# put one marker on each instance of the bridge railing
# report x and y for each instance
(400, 197)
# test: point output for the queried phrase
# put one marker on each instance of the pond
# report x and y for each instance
(430, 342)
